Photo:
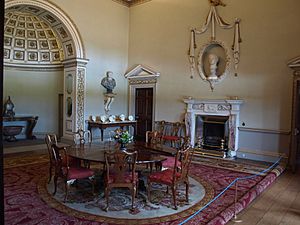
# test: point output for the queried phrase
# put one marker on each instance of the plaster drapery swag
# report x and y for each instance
(213, 18)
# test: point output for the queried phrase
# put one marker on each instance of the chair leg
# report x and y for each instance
(50, 174)
(133, 196)
(67, 191)
(137, 188)
(158, 166)
(107, 198)
(149, 191)
(93, 185)
(174, 196)
(187, 191)
(151, 167)
(55, 184)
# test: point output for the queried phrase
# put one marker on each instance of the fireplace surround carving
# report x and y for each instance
(228, 109)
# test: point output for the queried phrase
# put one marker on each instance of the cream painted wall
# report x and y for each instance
(157, 34)
(104, 28)
(159, 38)
(35, 93)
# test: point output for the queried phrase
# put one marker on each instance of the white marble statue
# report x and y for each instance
(213, 61)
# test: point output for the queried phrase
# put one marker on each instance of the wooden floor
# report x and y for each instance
(277, 205)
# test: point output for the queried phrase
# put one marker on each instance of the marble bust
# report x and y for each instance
(108, 82)
(213, 63)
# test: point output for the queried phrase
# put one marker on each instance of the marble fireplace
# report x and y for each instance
(213, 124)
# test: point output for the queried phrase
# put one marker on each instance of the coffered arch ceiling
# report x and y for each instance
(36, 37)
(30, 39)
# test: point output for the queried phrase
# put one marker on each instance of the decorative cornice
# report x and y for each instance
(130, 3)
(294, 64)
(32, 67)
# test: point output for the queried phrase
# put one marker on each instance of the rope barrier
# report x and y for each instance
(230, 185)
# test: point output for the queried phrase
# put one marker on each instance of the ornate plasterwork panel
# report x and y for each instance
(80, 98)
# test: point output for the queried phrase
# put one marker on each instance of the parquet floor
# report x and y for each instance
(278, 205)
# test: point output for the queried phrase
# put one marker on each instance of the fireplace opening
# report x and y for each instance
(212, 132)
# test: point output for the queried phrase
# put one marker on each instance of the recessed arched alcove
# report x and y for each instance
(44, 58)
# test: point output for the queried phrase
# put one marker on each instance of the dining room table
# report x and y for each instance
(151, 154)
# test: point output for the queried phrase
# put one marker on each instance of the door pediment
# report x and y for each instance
(142, 74)
(294, 63)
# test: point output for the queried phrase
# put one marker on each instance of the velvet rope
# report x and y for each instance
(230, 185)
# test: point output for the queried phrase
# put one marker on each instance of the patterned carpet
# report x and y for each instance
(27, 200)
(86, 204)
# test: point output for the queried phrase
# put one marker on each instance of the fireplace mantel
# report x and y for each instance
(214, 107)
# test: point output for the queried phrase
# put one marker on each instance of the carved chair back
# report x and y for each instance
(120, 172)
(119, 163)
(60, 159)
(82, 137)
(161, 126)
(153, 137)
(50, 139)
(184, 156)
(176, 128)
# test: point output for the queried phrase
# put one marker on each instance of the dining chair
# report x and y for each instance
(153, 137)
(120, 173)
(169, 162)
(81, 137)
(50, 139)
(174, 136)
(68, 173)
(172, 177)
(161, 126)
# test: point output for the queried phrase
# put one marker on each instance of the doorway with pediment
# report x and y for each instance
(142, 82)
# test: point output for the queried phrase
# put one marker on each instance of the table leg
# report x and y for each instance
(101, 134)
(30, 125)
(90, 130)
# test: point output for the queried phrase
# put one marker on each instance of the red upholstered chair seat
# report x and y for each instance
(171, 138)
(165, 176)
(127, 178)
(79, 173)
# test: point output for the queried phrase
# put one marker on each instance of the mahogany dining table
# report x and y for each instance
(147, 153)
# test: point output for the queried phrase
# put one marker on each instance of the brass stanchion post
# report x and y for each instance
(235, 219)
